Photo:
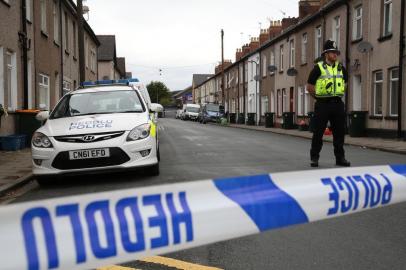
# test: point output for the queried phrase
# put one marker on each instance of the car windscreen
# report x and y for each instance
(104, 102)
(192, 109)
(212, 108)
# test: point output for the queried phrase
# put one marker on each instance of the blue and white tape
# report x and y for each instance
(87, 231)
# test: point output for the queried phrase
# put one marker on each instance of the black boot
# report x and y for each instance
(314, 162)
(343, 162)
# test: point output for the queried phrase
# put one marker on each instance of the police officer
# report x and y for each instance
(326, 84)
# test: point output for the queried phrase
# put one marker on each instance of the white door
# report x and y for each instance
(356, 93)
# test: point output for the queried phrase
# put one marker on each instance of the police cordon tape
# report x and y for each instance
(91, 230)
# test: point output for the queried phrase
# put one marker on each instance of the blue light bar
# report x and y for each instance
(109, 82)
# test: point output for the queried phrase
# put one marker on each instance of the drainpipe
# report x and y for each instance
(24, 40)
(347, 52)
(61, 49)
(401, 49)
(259, 77)
(243, 88)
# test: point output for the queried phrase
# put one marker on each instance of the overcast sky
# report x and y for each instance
(181, 37)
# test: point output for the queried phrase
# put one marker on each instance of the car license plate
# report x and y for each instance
(89, 153)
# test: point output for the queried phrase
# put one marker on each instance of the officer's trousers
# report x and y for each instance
(329, 109)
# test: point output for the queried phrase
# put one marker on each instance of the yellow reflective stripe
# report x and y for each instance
(153, 129)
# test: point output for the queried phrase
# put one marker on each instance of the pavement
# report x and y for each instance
(15, 167)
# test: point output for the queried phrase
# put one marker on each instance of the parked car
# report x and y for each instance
(94, 129)
(211, 113)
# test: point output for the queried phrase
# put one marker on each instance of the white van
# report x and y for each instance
(191, 112)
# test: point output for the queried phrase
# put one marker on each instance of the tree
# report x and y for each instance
(160, 91)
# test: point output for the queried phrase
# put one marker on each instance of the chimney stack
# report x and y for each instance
(275, 29)
(263, 36)
(287, 22)
(308, 7)
(238, 54)
(254, 44)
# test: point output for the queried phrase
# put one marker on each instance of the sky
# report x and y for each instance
(181, 37)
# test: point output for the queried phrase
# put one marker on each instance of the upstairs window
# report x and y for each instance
(43, 5)
(393, 91)
(291, 53)
(387, 17)
(357, 23)
(336, 30)
(304, 49)
(318, 43)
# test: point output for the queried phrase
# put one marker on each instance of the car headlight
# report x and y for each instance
(41, 140)
(140, 132)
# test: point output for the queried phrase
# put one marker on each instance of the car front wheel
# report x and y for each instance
(153, 170)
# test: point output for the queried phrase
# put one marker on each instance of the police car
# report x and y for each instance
(106, 125)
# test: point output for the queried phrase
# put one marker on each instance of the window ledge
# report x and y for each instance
(303, 64)
(384, 38)
(66, 52)
(391, 118)
(45, 35)
(358, 40)
(281, 71)
(4, 2)
(376, 117)
(74, 58)
(56, 44)
(28, 21)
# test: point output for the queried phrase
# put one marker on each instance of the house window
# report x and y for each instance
(291, 53)
(43, 5)
(306, 101)
(377, 93)
(241, 74)
(43, 93)
(300, 100)
(264, 105)
(56, 22)
(281, 58)
(387, 17)
(304, 48)
(66, 40)
(28, 4)
(357, 24)
(273, 100)
(279, 102)
(11, 81)
(336, 30)
(393, 91)
(264, 66)
(285, 100)
(272, 61)
(318, 42)
(67, 87)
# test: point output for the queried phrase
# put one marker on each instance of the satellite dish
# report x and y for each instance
(272, 68)
(291, 72)
(364, 47)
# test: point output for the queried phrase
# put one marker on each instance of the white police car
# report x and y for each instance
(106, 125)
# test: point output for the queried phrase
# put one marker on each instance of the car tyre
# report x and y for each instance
(44, 180)
(153, 170)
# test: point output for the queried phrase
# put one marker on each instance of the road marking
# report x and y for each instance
(181, 265)
(177, 263)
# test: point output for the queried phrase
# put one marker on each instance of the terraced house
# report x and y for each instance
(39, 59)
(273, 69)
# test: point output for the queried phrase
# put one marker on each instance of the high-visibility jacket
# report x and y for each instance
(331, 81)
